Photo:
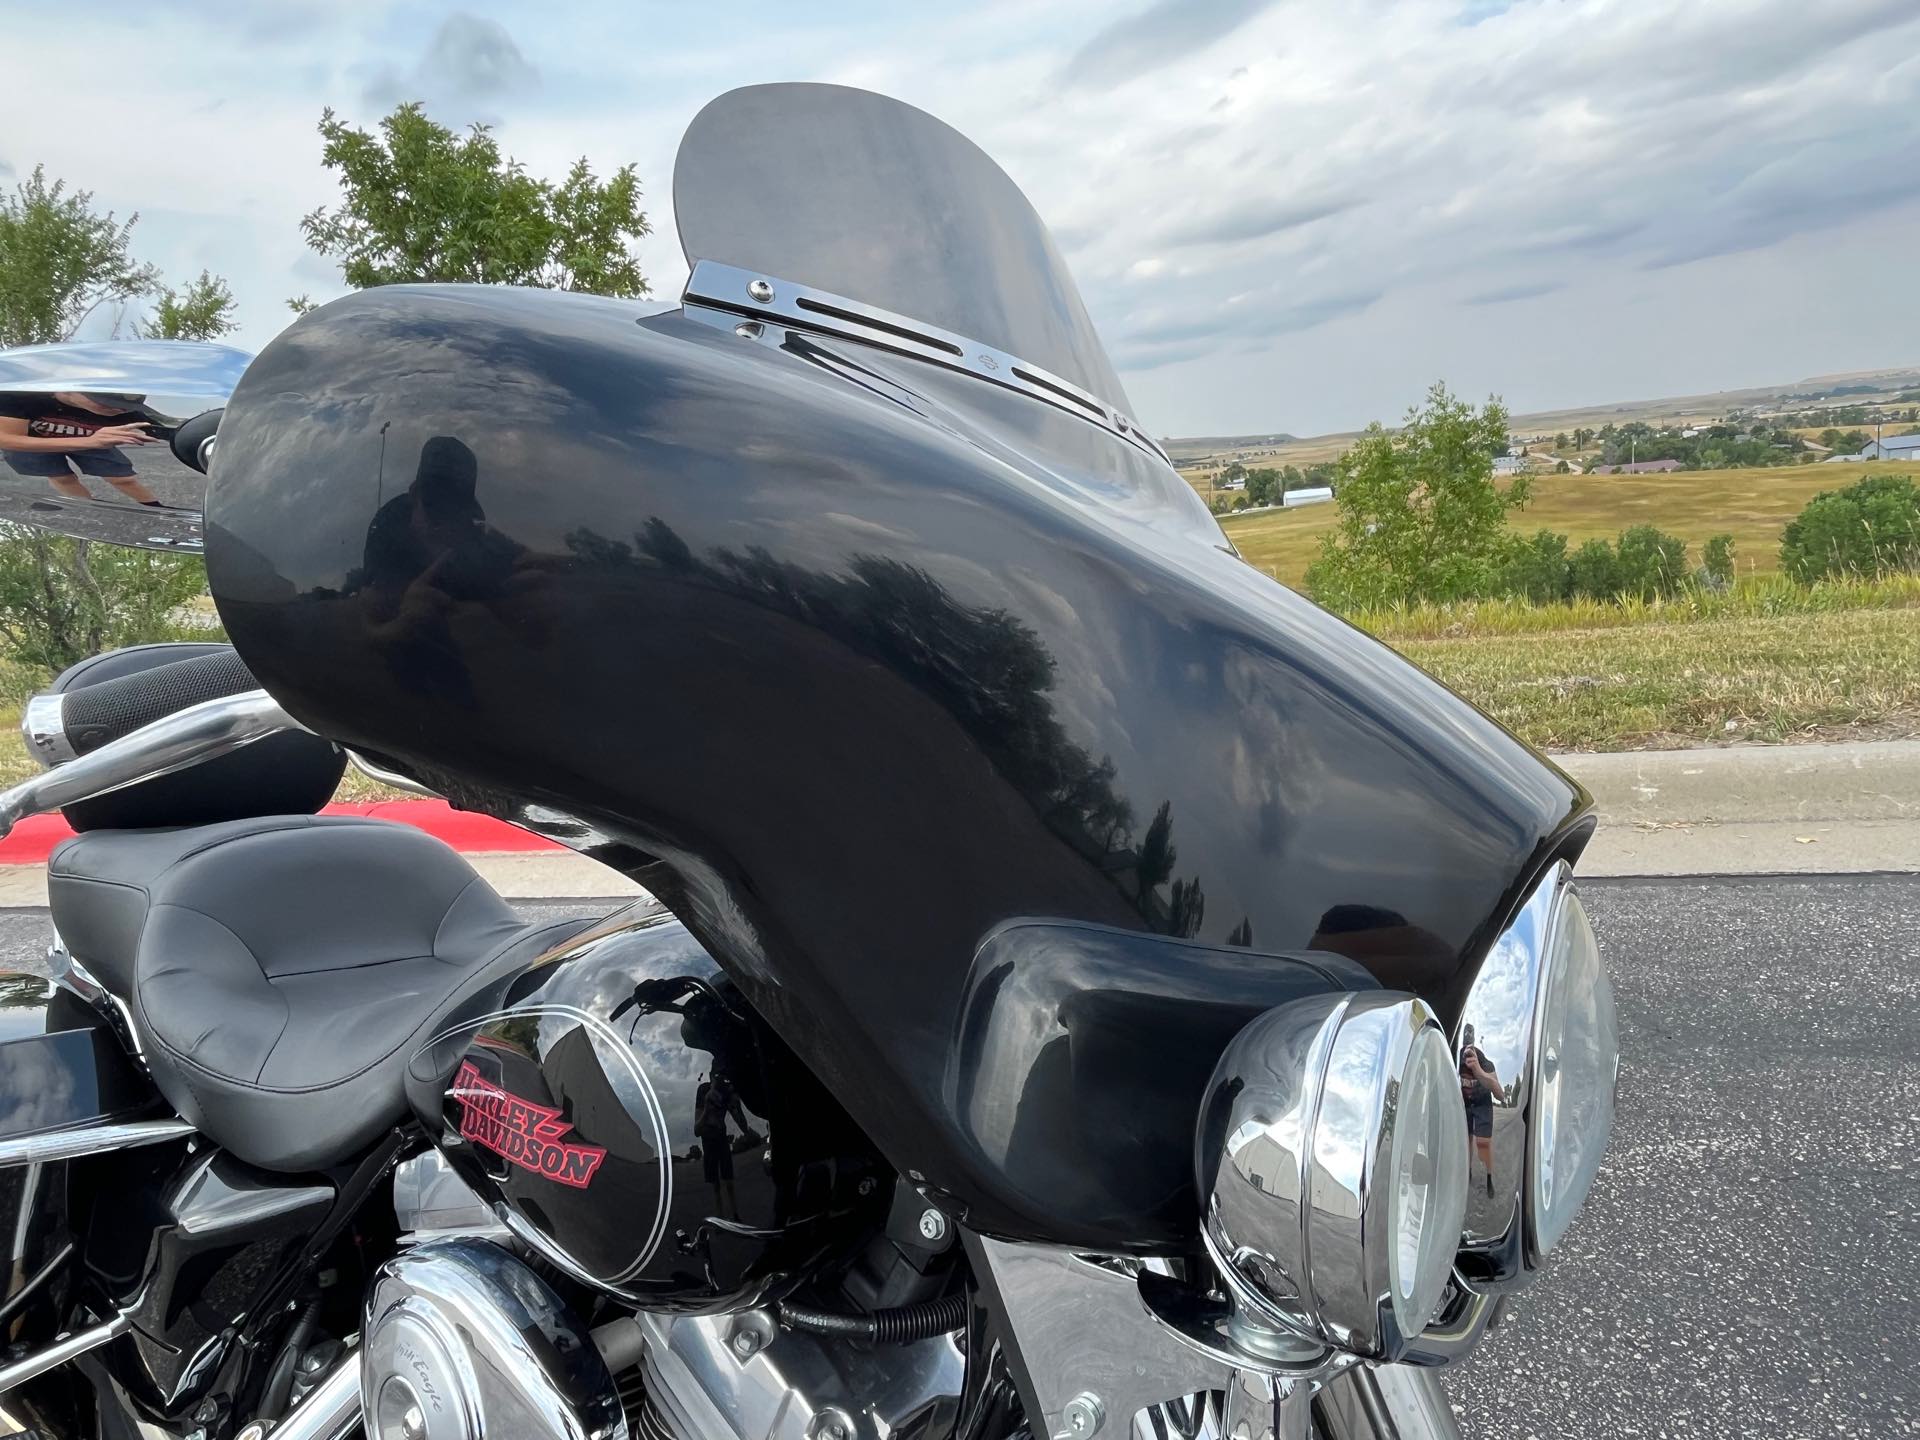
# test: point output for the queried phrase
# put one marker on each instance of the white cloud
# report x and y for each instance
(1285, 215)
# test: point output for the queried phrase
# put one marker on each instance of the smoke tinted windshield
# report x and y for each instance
(874, 200)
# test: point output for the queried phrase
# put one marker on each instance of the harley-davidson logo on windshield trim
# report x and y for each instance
(521, 1132)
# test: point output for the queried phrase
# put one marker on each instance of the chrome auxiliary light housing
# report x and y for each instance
(1332, 1157)
(1539, 1023)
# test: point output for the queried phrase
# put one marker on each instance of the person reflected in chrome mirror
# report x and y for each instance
(1480, 1088)
(52, 436)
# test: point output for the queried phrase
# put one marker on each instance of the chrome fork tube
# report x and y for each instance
(1385, 1402)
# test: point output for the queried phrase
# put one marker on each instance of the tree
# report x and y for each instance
(59, 260)
(1262, 486)
(1560, 440)
(62, 600)
(1420, 517)
(422, 204)
(200, 310)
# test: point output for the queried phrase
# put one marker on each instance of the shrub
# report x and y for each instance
(1870, 528)
(62, 600)
(1651, 562)
(1594, 571)
(1717, 562)
(1536, 568)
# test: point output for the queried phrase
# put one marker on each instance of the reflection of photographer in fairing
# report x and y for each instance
(43, 435)
(1480, 1087)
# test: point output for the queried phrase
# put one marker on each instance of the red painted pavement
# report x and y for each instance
(35, 836)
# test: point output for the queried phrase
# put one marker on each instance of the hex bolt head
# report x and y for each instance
(745, 1343)
(933, 1226)
(760, 290)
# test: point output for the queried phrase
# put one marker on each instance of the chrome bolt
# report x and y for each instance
(745, 1343)
(749, 329)
(760, 290)
(1082, 1416)
(832, 1423)
(933, 1226)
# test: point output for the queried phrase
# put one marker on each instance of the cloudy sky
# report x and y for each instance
(1285, 214)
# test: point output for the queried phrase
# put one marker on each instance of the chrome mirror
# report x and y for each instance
(139, 419)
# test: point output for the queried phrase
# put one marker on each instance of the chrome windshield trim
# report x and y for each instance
(802, 307)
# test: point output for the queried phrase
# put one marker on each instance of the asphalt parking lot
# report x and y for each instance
(1747, 1265)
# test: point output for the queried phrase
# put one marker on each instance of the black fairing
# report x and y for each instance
(870, 657)
(644, 1126)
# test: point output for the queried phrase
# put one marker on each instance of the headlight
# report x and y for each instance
(1331, 1156)
(1539, 1055)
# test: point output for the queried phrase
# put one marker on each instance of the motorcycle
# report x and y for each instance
(1084, 988)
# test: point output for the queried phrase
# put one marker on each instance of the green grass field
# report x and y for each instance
(1753, 506)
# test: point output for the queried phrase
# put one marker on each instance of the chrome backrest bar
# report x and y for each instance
(174, 742)
(802, 307)
(71, 1144)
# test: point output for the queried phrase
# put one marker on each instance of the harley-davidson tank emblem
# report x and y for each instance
(521, 1132)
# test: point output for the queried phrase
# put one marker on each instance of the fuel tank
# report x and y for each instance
(642, 1127)
(853, 661)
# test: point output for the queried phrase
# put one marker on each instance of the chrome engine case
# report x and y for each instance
(462, 1340)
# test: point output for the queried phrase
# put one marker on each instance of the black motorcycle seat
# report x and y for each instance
(281, 970)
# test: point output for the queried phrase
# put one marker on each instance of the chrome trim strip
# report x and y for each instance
(43, 724)
(61, 1351)
(89, 1140)
(802, 307)
(174, 742)
(330, 1411)
(1501, 1013)
(1385, 1402)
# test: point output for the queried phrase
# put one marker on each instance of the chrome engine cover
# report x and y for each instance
(462, 1341)
(739, 1377)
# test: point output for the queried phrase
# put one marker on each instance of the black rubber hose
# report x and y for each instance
(900, 1326)
(273, 1401)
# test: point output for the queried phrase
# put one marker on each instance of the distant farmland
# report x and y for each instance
(1753, 506)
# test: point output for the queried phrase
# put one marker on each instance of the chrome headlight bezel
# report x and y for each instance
(1301, 1153)
(1506, 1013)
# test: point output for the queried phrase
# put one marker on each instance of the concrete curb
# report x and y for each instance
(1754, 810)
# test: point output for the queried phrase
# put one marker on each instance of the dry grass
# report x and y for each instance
(1752, 505)
(1757, 677)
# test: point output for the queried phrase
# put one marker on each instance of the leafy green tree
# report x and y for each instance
(1870, 528)
(60, 260)
(1292, 479)
(62, 600)
(201, 309)
(1420, 517)
(1563, 468)
(422, 204)
(1263, 486)
(1560, 440)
